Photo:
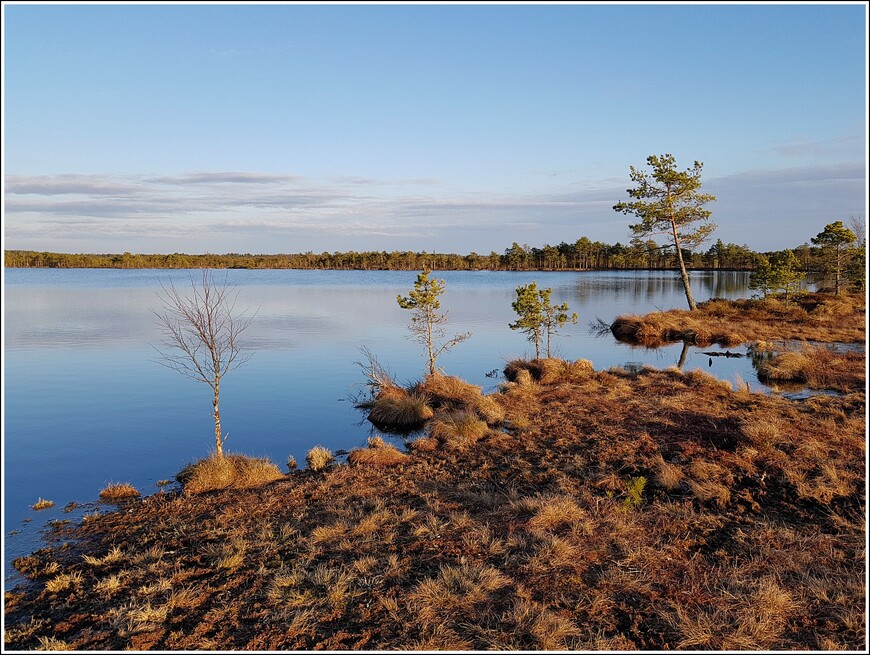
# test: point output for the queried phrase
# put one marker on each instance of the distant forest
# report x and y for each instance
(580, 255)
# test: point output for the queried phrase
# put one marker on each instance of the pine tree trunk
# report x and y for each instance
(683, 273)
(837, 277)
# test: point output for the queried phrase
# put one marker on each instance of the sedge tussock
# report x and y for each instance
(667, 475)
(110, 585)
(377, 454)
(64, 581)
(458, 430)
(450, 390)
(230, 470)
(116, 492)
(41, 504)
(455, 592)
(556, 514)
(554, 631)
(319, 458)
(114, 556)
(395, 408)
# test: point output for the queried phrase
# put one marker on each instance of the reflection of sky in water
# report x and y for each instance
(85, 404)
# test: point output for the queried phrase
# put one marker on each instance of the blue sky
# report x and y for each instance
(287, 128)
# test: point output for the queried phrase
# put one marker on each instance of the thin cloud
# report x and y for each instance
(765, 208)
(801, 148)
(51, 185)
(225, 178)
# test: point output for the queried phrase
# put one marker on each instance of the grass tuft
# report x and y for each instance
(319, 458)
(396, 409)
(229, 471)
(458, 430)
(118, 491)
(377, 454)
(42, 503)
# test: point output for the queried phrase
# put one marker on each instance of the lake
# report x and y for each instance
(87, 404)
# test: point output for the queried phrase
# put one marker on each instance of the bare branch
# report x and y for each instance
(201, 333)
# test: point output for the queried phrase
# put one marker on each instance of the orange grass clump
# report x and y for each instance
(228, 471)
(378, 453)
(396, 409)
(118, 491)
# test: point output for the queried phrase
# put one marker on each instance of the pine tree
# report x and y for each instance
(538, 316)
(427, 325)
(669, 202)
(835, 237)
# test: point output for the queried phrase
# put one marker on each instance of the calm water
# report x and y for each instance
(85, 403)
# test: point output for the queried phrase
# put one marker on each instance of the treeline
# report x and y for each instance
(583, 254)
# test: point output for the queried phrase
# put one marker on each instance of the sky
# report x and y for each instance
(283, 128)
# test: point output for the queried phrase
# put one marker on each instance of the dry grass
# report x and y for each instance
(397, 409)
(815, 316)
(319, 458)
(817, 368)
(114, 556)
(748, 535)
(449, 393)
(41, 504)
(116, 492)
(547, 371)
(377, 454)
(458, 430)
(659, 328)
(229, 471)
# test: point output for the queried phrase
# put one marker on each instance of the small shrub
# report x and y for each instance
(318, 458)
(41, 504)
(291, 463)
(231, 470)
(634, 493)
(118, 491)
